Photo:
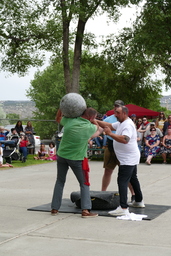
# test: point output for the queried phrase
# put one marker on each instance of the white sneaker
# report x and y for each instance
(137, 204)
(119, 211)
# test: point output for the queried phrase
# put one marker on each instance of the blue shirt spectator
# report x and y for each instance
(3, 134)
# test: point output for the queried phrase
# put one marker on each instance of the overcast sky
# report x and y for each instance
(14, 87)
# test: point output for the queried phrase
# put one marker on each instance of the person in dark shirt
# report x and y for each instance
(19, 127)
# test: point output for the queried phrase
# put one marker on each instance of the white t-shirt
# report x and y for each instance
(127, 154)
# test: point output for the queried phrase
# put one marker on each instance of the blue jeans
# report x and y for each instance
(101, 142)
(23, 150)
(63, 165)
(126, 174)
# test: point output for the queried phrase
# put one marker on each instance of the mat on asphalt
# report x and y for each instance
(151, 210)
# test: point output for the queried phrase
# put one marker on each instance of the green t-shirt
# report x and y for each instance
(77, 131)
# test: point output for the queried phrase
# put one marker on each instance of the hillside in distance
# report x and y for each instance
(23, 108)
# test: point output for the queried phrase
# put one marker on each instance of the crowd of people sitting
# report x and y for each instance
(43, 154)
(153, 138)
(22, 139)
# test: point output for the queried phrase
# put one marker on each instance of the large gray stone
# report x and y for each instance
(72, 105)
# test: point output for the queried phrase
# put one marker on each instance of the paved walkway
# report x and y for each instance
(29, 233)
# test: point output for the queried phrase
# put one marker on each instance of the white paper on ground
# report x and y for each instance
(132, 216)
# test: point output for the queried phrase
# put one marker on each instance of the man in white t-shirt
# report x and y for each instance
(127, 152)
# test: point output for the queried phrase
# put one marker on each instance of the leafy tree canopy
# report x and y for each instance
(12, 116)
(151, 35)
(31, 26)
(102, 81)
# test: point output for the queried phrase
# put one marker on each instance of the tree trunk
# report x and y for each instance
(66, 23)
(77, 56)
(67, 75)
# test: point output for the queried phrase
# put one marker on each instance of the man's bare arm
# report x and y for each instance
(97, 133)
(105, 124)
(58, 116)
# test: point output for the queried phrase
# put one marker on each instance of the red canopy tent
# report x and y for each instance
(138, 111)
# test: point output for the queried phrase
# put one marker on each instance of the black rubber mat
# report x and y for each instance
(151, 210)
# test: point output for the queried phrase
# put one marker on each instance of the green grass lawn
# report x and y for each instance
(30, 161)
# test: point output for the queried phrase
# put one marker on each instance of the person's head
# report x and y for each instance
(29, 124)
(139, 121)
(22, 137)
(121, 113)
(169, 118)
(1, 128)
(51, 144)
(144, 120)
(133, 117)
(153, 130)
(13, 131)
(152, 125)
(118, 103)
(19, 123)
(162, 116)
(169, 130)
(42, 146)
(89, 114)
(99, 116)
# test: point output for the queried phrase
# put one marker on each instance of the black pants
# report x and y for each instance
(126, 174)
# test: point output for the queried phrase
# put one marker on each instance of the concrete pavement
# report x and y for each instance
(30, 233)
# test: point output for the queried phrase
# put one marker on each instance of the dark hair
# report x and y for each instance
(89, 113)
(99, 116)
(164, 117)
(52, 144)
(19, 121)
(151, 129)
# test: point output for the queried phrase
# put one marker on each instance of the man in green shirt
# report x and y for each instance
(72, 153)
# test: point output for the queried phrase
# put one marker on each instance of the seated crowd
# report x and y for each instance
(154, 138)
(22, 142)
(21, 139)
